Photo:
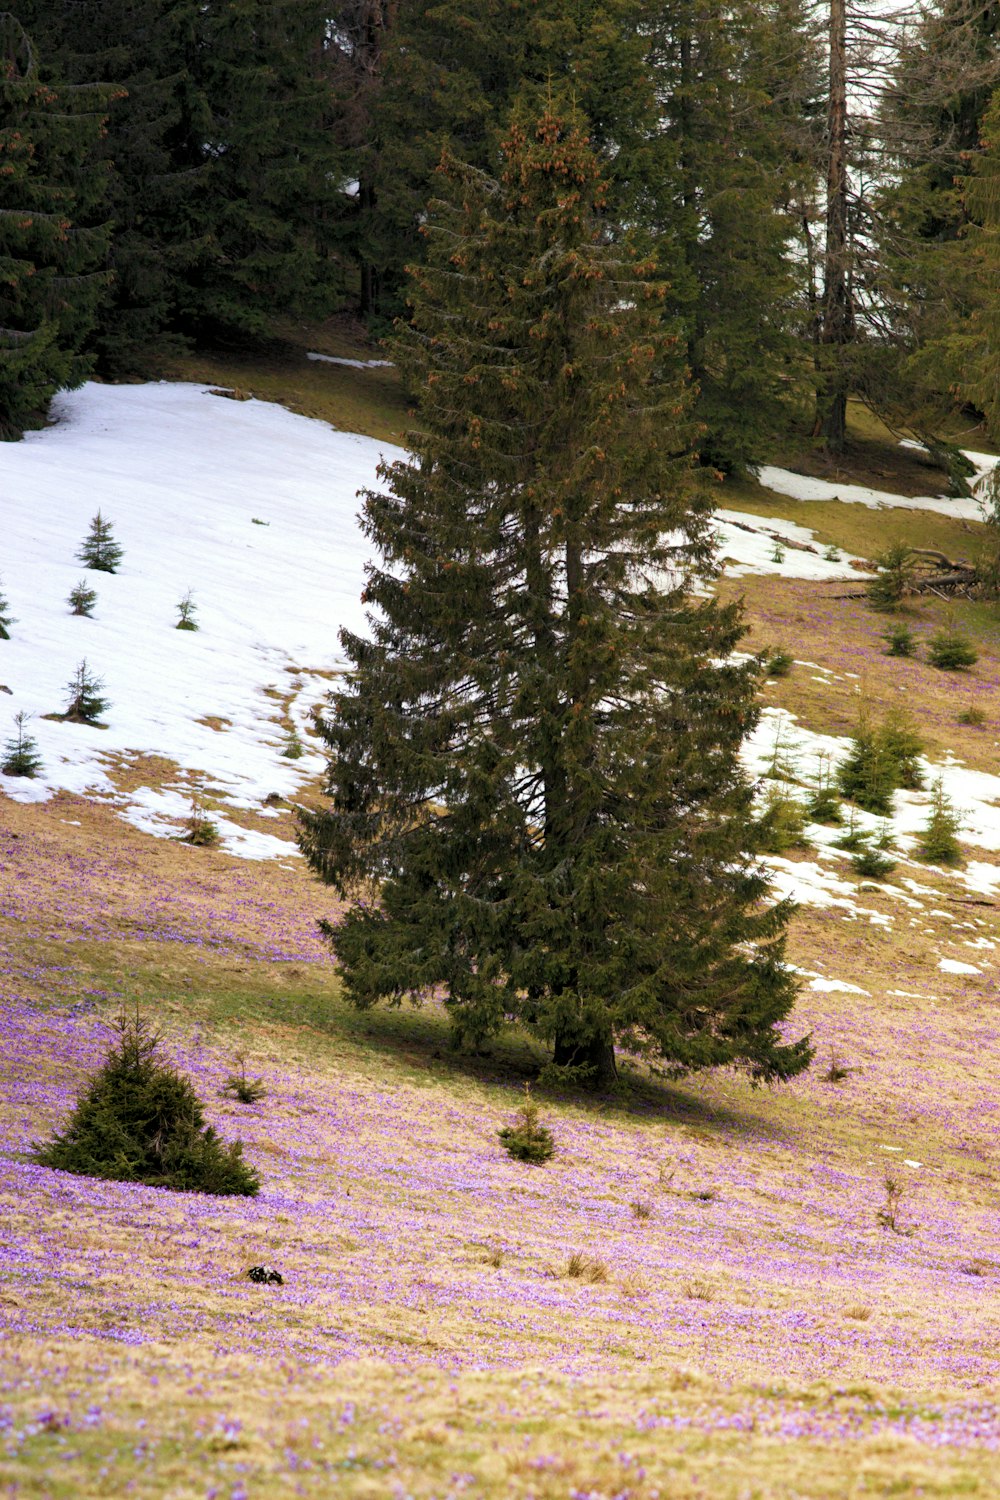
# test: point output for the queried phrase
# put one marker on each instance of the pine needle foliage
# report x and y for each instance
(186, 611)
(82, 599)
(783, 822)
(85, 703)
(882, 757)
(21, 757)
(6, 618)
(99, 550)
(138, 1120)
(824, 805)
(939, 840)
(900, 641)
(53, 243)
(893, 578)
(537, 806)
(528, 1140)
(951, 651)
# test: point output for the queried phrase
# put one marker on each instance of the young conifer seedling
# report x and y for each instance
(939, 840)
(85, 704)
(186, 610)
(99, 550)
(527, 1140)
(138, 1120)
(21, 757)
(6, 619)
(82, 599)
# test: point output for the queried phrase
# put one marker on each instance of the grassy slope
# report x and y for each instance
(756, 1334)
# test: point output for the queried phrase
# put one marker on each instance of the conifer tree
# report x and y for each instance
(99, 550)
(227, 178)
(535, 784)
(82, 598)
(85, 704)
(138, 1120)
(21, 757)
(939, 838)
(52, 241)
(6, 618)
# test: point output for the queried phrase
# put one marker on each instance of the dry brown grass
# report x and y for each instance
(589, 1268)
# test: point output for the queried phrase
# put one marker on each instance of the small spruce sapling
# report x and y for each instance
(951, 651)
(137, 1120)
(6, 619)
(294, 748)
(85, 702)
(875, 860)
(893, 578)
(527, 1140)
(21, 757)
(939, 841)
(200, 829)
(782, 823)
(900, 641)
(186, 610)
(239, 1086)
(904, 746)
(779, 663)
(824, 804)
(974, 716)
(99, 550)
(82, 599)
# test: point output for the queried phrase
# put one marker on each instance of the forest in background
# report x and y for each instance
(817, 183)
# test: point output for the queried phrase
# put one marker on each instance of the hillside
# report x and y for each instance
(697, 1295)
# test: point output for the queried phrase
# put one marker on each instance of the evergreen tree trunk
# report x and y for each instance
(595, 1058)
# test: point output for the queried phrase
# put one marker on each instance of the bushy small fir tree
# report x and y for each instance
(824, 804)
(782, 822)
(85, 704)
(82, 599)
(882, 757)
(779, 663)
(21, 757)
(854, 837)
(6, 619)
(186, 610)
(874, 858)
(893, 578)
(294, 748)
(900, 641)
(939, 840)
(138, 1120)
(868, 775)
(200, 829)
(903, 744)
(951, 651)
(528, 1140)
(99, 550)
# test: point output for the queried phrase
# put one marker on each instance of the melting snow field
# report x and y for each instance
(255, 510)
(249, 506)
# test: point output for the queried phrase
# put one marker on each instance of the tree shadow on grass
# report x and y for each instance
(418, 1039)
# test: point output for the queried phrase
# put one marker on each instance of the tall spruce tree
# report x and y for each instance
(226, 176)
(536, 791)
(948, 67)
(445, 73)
(728, 160)
(52, 241)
